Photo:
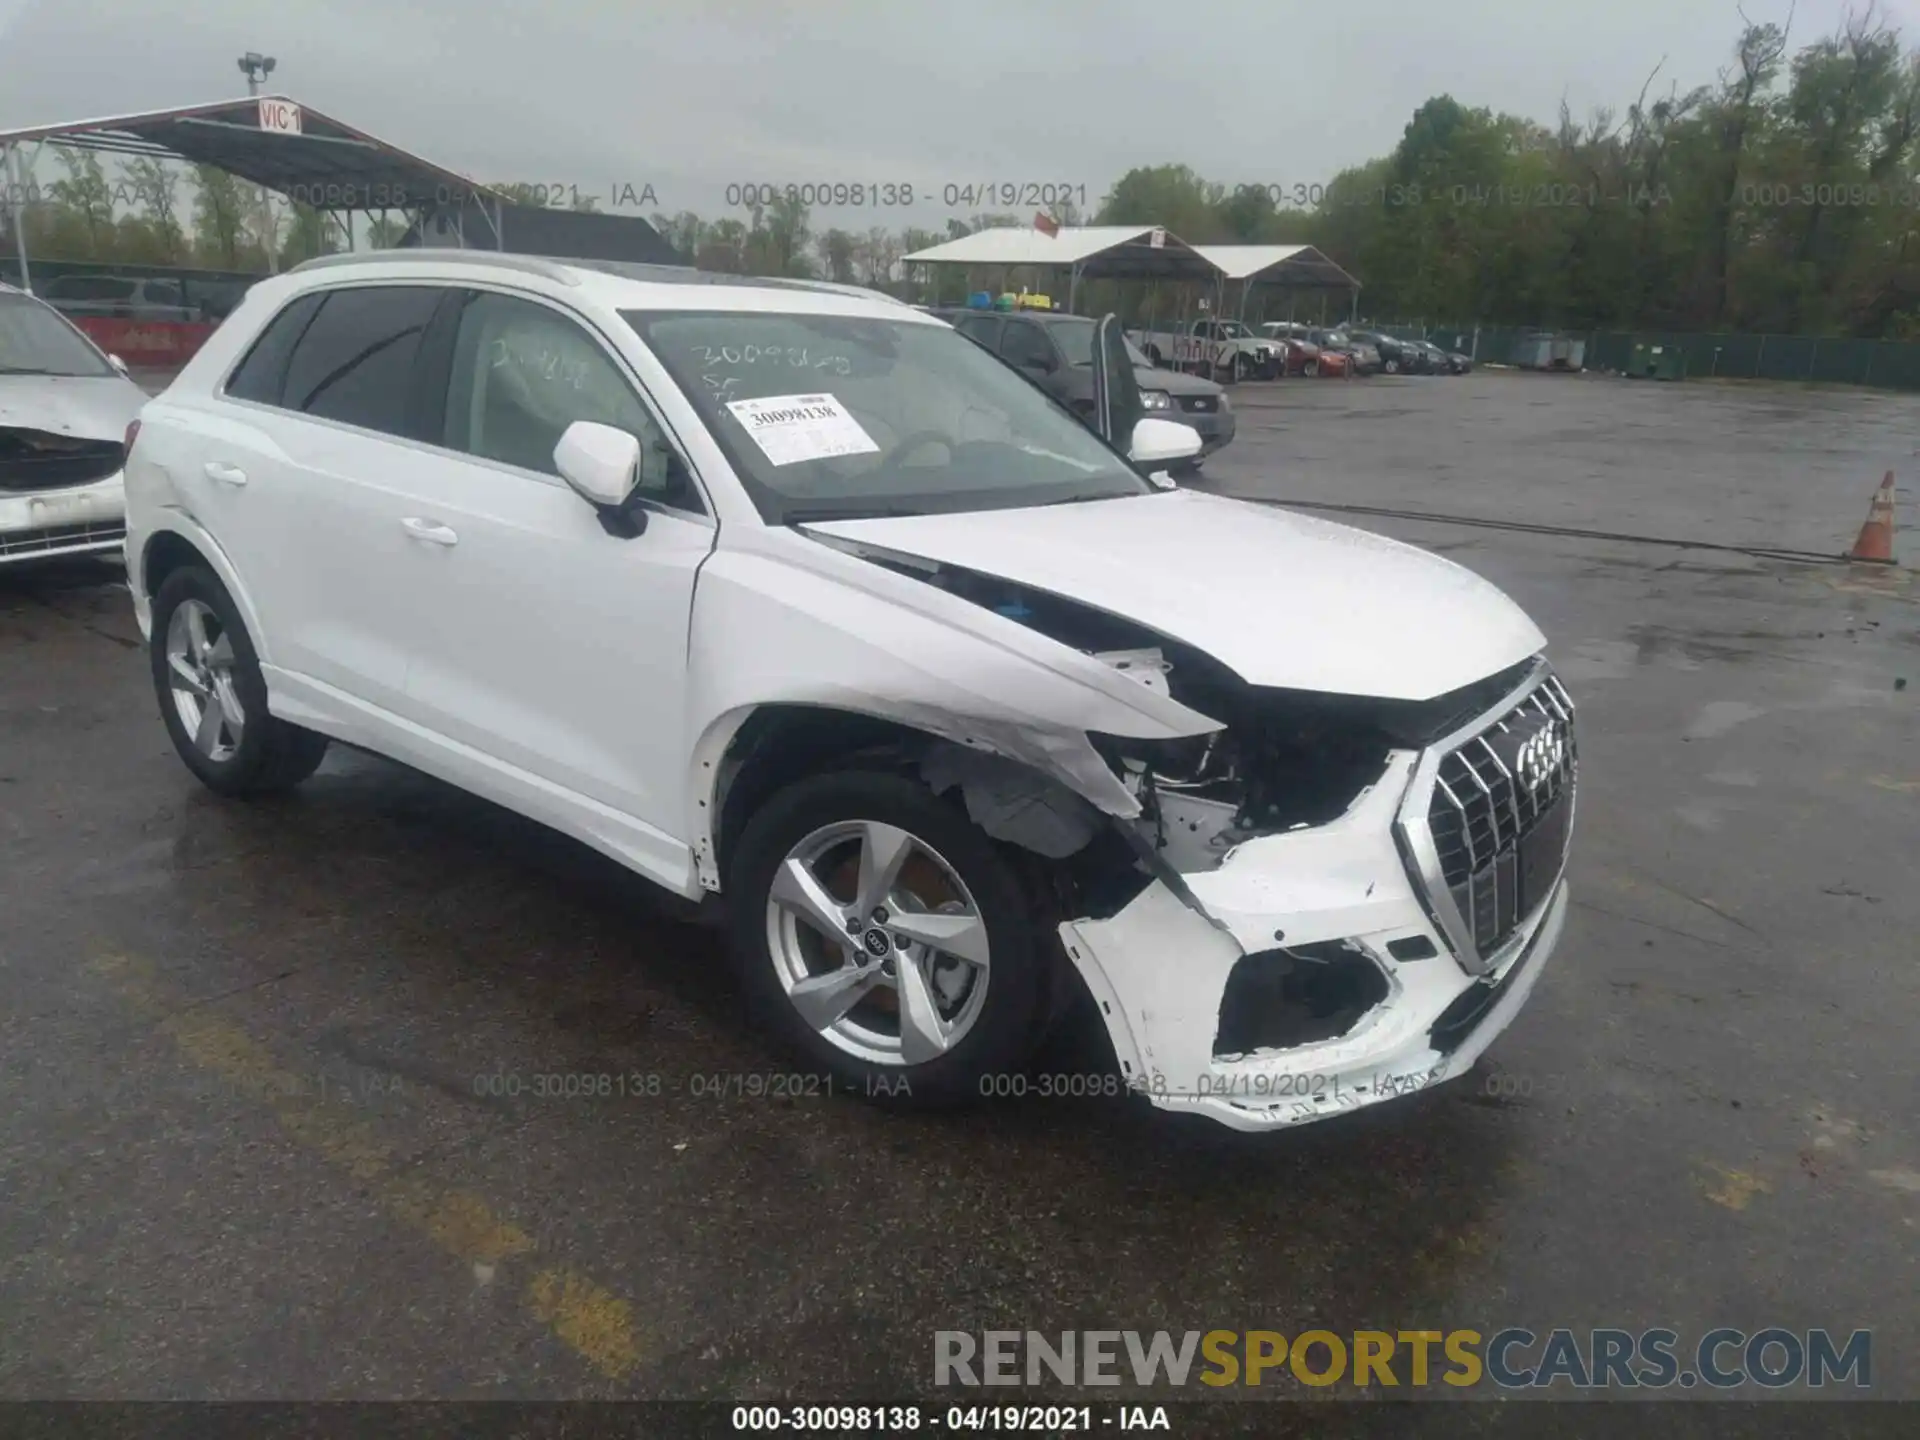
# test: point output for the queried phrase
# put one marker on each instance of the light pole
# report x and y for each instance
(256, 67)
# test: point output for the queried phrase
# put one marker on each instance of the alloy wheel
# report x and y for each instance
(877, 943)
(200, 677)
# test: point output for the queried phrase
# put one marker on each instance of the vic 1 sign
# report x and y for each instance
(282, 116)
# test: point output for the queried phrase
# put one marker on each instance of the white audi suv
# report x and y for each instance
(947, 700)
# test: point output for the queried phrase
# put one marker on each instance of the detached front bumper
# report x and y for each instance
(1310, 973)
(82, 520)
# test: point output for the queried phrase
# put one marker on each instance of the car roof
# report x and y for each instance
(621, 285)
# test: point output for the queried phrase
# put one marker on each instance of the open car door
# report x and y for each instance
(1120, 415)
(1117, 406)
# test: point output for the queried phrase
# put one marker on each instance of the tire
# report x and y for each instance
(266, 755)
(1313, 368)
(1241, 368)
(1391, 366)
(1001, 1010)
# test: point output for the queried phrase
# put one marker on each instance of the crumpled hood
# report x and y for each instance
(1283, 600)
(86, 408)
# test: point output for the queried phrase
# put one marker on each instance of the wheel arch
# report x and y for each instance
(179, 543)
(749, 754)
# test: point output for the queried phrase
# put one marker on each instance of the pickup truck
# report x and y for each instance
(1226, 349)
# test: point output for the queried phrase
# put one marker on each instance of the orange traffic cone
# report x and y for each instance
(1876, 536)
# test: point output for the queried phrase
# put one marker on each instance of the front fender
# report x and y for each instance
(815, 626)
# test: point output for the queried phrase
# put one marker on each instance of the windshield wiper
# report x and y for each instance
(28, 370)
(822, 513)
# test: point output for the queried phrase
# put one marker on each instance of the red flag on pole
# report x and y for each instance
(1045, 223)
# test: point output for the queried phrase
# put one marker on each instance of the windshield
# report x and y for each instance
(1234, 330)
(35, 340)
(836, 417)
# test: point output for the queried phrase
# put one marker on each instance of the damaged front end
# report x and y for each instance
(59, 493)
(1349, 898)
(1323, 901)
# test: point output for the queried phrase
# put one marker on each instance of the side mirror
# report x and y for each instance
(1163, 442)
(602, 465)
(1041, 364)
(117, 363)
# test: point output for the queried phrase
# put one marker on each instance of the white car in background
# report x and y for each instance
(948, 701)
(64, 412)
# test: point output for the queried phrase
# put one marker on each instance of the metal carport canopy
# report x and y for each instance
(1296, 266)
(327, 165)
(1091, 252)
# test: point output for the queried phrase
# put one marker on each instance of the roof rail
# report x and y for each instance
(562, 268)
(532, 264)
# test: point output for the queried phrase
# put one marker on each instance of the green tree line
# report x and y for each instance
(1780, 195)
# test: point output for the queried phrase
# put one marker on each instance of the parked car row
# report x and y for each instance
(1230, 352)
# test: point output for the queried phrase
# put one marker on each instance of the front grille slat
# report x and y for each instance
(1494, 793)
(54, 538)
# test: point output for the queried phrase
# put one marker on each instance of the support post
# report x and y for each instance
(17, 185)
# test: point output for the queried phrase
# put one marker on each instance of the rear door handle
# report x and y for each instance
(431, 531)
(226, 474)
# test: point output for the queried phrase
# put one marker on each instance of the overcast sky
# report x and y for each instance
(689, 95)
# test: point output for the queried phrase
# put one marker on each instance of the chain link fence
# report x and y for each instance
(1882, 364)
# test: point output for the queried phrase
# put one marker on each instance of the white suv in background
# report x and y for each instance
(799, 600)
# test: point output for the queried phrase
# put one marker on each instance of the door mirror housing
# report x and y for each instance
(1163, 442)
(602, 464)
(1041, 364)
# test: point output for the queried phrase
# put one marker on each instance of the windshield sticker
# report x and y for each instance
(790, 429)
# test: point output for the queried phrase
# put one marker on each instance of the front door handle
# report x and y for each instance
(226, 474)
(431, 531)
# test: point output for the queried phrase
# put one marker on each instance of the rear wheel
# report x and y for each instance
(1241, 368)
(213, 697)
(884, 939)
(1391, 366)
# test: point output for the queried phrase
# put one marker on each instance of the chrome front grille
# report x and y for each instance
(1501, 812)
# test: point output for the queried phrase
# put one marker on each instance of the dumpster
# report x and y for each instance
(1669, 362)
(1546, 350)
(1640, 362)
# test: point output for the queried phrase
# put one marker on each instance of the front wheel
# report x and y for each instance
(881, 936)
(1241, 368)
(213, 697)
(1392, 367)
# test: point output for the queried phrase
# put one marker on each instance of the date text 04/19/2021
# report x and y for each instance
(908, 1419)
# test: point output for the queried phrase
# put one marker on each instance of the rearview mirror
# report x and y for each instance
(1163, 442)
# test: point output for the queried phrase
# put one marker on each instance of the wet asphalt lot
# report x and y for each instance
(252, 1145)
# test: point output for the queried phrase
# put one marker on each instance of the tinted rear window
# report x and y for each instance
(261, 373)
(355, 362)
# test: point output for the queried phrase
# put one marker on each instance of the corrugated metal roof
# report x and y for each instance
(329, 164)
(1302, 264)
(1023, 245)
(1126, 251)
(1099, 252)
